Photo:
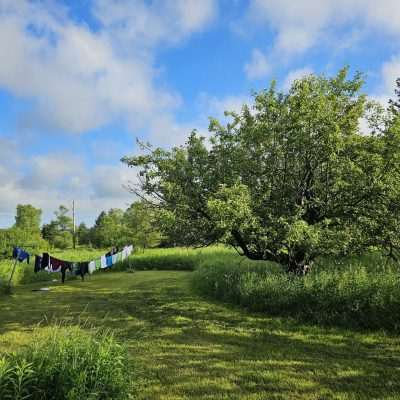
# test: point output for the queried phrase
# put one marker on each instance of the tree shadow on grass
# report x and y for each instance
(188, 347)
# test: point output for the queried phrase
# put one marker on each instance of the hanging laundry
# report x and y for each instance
(81, 269)
(114, 259)
(109, 262)
(56, 265)
(97, 263)
(119, 256)
(38, 263)
(103, 262)
(16, 251)
(84, 269)
(45, 261)
(20, 254)
(92, 267)
(66, 266)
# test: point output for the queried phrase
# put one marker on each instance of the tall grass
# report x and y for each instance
(177, 259)
(66, 363)
(358, 292)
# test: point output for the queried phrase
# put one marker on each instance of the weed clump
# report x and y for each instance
(66, 363)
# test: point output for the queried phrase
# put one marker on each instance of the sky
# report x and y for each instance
(81, 80)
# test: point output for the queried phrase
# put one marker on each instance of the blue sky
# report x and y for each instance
(80, 80)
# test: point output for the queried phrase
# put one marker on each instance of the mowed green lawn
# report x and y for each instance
(186, 347)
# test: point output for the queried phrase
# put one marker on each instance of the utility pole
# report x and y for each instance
(73, 225)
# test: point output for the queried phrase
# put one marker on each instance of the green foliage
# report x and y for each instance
(362, 292)
(289, 179)
(59, 231)
(110, 229)
(63, 221)
(137, 226)
(83, 234)
(28, 218)
(62, 240)
(31, 241)
(66, 363)
(25, 233)
(141, 220)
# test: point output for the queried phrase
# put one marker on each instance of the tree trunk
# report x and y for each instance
(299, 267)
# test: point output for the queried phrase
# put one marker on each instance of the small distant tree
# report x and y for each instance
(59, 231)
(63, 220)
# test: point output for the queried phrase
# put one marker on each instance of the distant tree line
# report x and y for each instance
(138, 225)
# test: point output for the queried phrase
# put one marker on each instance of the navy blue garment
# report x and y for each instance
(16, 251)
(38, 263)
(65, 266)
(82, 268)
(45, 260)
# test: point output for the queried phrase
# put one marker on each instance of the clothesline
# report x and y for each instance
(52, 264)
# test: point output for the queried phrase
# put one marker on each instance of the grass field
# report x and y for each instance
(186, 347)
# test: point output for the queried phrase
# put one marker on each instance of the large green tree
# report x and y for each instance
(288, 179)
(28, 217)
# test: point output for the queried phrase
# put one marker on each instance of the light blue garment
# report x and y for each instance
(109, 261)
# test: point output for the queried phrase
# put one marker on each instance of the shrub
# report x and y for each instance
(66, 363)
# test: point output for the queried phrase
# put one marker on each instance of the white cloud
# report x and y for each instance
(258, 67)
(151, 23)
(53, 179)
(80, 79)
(295, 75)
(215, 107)
(302, 24)
(390, 72)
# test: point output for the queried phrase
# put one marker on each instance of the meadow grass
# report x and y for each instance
(177, 259)
(64, 362)
(358, 292)
(184, 346)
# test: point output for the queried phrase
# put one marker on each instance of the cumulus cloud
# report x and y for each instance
(258, 67)
(295, 75)
(302, 24)
(80, 79)
(390, 72)
(77, 78)
(150, 23)
(50, 180)
(216, 106)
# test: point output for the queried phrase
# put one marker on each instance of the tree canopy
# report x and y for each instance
(288, 179)
(28, 217)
